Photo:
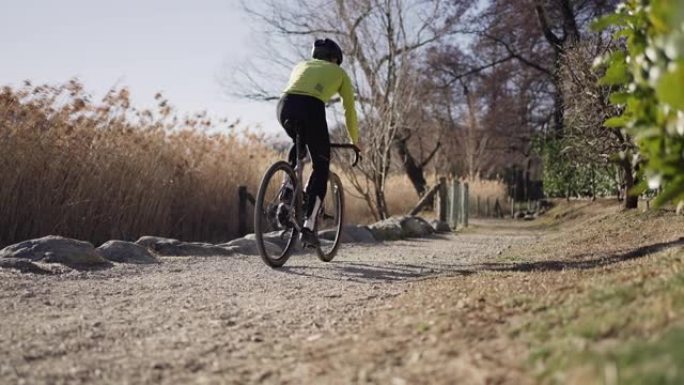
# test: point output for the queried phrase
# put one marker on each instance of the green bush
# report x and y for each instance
(567, 175)
(649, 81)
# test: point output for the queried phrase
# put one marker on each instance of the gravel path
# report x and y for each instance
(218, 319)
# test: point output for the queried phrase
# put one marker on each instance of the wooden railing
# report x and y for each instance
(243, 197)
(452, 202)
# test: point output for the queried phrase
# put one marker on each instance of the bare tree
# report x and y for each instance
(383, 40)
(561, 24)
(484, 116)
(587, 140)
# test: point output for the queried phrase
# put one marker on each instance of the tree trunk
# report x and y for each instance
(380, 201)
(558, 103)
(570, 38)
(413, 170)
(631, 201)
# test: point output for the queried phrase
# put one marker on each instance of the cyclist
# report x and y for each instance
(312, 84)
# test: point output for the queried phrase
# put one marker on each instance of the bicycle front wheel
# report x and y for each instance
(330, 220)
(275, 238)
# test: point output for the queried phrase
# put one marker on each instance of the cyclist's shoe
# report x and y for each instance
(309, 239)
(283, 215)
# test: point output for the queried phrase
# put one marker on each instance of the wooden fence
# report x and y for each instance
(451, 204)
(243, 198)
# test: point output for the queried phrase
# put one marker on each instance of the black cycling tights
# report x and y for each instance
(308, 113)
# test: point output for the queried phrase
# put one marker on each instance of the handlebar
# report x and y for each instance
(357, 151)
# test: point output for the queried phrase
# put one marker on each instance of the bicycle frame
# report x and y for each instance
(264, 217)
(299, 173)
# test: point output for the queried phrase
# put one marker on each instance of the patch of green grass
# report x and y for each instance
(656, 362)
(626, 327)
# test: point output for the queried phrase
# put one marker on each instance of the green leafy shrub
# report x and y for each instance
(568, 175)
(649, 81)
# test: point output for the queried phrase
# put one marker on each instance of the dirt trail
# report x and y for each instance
(358, 319)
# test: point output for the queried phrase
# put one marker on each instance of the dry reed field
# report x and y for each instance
(487, 192)
(106, 170)
(402, 197)
(400, 194)
(99, 171)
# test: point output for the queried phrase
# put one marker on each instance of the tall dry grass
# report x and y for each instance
(106, 170)
(486, 192)
(399, 192)
(402, 197)
(99, 171)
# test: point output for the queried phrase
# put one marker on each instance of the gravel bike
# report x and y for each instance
(277, 235)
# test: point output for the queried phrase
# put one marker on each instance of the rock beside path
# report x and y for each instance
(350, 234)
(440, 226)
(22, 266)
(247, 245)
(74, 253)
(173, 247)
(126, 252)
(396, 228)
(387, 230)
(415, 227)
(151, 241)
(55, 249)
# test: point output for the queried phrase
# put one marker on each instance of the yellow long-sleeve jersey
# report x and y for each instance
(322, 80)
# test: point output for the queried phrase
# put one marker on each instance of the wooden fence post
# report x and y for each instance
(453, 204)
(512, 201)
(498, 212)
(242, 211)
(465, 202)
(443, 191)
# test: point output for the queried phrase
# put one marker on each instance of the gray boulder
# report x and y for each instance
(184, 249)
(150, 242)
(395, 228)
(174, 247)
(22, 266)
(349, 234)
(387, 230)
(247, 245)
(126, 252)
(415, 227)
(55, 249)
(440, 226)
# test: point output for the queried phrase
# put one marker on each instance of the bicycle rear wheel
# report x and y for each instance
(330, 220)
(274, 240)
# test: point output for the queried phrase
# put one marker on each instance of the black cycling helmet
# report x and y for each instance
(326, 49)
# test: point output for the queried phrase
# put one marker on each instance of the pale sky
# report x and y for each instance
(179, 47)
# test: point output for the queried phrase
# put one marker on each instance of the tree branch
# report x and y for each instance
(516, 55)
(431, 155)
(543, 18)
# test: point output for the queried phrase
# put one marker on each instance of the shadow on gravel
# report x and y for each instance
(581, 264)
(396, 272)
(23, 266)
(386, 273)
(89, 267)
